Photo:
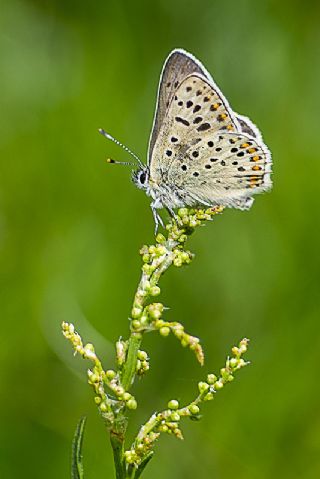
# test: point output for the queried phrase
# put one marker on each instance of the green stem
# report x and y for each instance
(117, 448)
(129, 368)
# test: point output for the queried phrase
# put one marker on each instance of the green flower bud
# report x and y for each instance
(135, 324)
(173, 404)
(127, 396)
(93, 378)
(164, 331)
(97, 400)
(161, 250)
(177, 262)
(174, 416)
(233, 362)
(154, 291)
(145, 366)
(208, 397)
(194, 409)
(211, 378)
(147, 268)
(184, 257)
(182, 212)
(103, 407)
(118, 390)
(110, 374)
(135, 313)
(146, 258)
(163, 428)
(142, 355)
(89, 347)
(160, 238)
(158, 324)
(132, 404)
(129, 457)
(218, 385)
(203, 387)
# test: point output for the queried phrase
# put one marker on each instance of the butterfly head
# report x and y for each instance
(140, 178)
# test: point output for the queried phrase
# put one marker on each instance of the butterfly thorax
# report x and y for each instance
(163, 194)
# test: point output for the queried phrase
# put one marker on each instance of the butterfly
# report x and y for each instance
(201, 153)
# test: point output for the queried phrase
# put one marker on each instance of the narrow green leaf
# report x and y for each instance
(76, 460)
(143, 465)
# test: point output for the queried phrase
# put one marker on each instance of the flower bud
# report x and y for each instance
(103, 407)
(164, 331)
(211, 378)
(173, 404)
(142, 355)
(163, 428)
(136, 311)
(160, 238)
(110, 374)
(135, 324)
(203, 387)
(182, 212)
(194, 409)
(154, 291)
(132, 404)
(218, 385)
(174, 416)
(208, 397)
(233, 362)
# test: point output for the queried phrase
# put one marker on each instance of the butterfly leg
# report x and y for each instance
(157, 218)
(172, 213)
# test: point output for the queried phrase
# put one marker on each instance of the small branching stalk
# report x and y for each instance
(112, 387)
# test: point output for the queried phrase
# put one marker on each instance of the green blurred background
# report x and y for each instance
(71, 227)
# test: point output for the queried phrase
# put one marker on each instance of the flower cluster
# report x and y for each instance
(111, 387)
(168, 421)
(98, 378)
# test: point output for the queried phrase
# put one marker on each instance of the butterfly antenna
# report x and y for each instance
(117, 142)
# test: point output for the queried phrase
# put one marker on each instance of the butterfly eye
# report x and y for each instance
(142, 177)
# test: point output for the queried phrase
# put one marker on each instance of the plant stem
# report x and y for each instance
(117, 443)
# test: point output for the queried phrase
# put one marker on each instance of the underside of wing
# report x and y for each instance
(225, 168)
(177, 67)
(195, 109)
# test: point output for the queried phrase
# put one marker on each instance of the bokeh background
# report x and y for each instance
(71, 227)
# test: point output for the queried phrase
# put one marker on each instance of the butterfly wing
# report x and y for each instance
(230, 167)
(198, 149)
(178, 65)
